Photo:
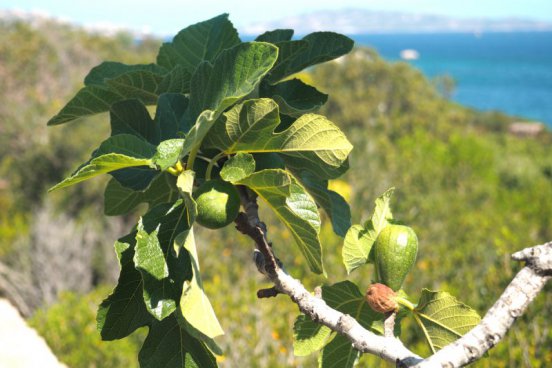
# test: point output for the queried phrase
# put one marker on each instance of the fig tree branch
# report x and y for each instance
(388, 348)
(513, 302)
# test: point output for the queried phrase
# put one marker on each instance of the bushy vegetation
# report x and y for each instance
(69, 328)
(473, 193)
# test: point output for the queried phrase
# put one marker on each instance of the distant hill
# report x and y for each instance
(355, 21)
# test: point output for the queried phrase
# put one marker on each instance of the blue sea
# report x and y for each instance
(510, 72)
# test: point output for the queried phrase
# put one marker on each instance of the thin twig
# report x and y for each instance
(267, 293)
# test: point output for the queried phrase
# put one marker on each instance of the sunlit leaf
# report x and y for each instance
(293, 206)
(168, 153)
(382, 212)
(238, 167)
(233, 75)
(194, 304)
(149, 259)
(357, 246)
(101, 165)
(311, 143)
(335, 206)
(443, 319)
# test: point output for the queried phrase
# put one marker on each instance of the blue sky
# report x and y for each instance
(165, 17)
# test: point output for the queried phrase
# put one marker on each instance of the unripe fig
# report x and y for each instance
(395, 252)
(381, 298)
(218, 204)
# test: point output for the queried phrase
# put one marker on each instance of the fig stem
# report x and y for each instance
(173, 171)
(192, 157)
(212, 162)
(405, 303)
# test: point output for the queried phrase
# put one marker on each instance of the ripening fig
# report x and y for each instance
(218, 204)
(381, 298)
(395, 252)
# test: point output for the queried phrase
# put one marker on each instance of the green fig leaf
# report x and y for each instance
(194, 304)
(443, 319)
(308, 336)
(169, 345)
(124, 311)
(311, 143)
(120, 200)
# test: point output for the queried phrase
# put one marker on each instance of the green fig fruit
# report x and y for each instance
(218, 204)
(395, 252)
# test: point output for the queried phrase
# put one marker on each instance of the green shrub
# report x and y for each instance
(69, 328)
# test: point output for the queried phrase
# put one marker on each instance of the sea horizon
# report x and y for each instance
(510, 72)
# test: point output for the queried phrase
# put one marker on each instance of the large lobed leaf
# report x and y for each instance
(159, 290)
(122, 312)
(295, 97)
(101, 165)
(287, 198)
(111, 82)
(120, 200)
(169, 345)
(320, 47)
(233, 75)
(311, 143)
(335, 206)
(115, 153)
(199, 42)
(131, 117)
(443, 319)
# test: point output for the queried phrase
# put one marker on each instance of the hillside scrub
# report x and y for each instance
(472, 192)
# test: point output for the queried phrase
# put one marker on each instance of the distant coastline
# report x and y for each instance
(359, 22)
(510, 72)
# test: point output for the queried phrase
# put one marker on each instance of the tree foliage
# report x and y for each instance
(232, 103)
(414, 140)
(223, 88)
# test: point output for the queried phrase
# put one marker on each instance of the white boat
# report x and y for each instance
(409, 54)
